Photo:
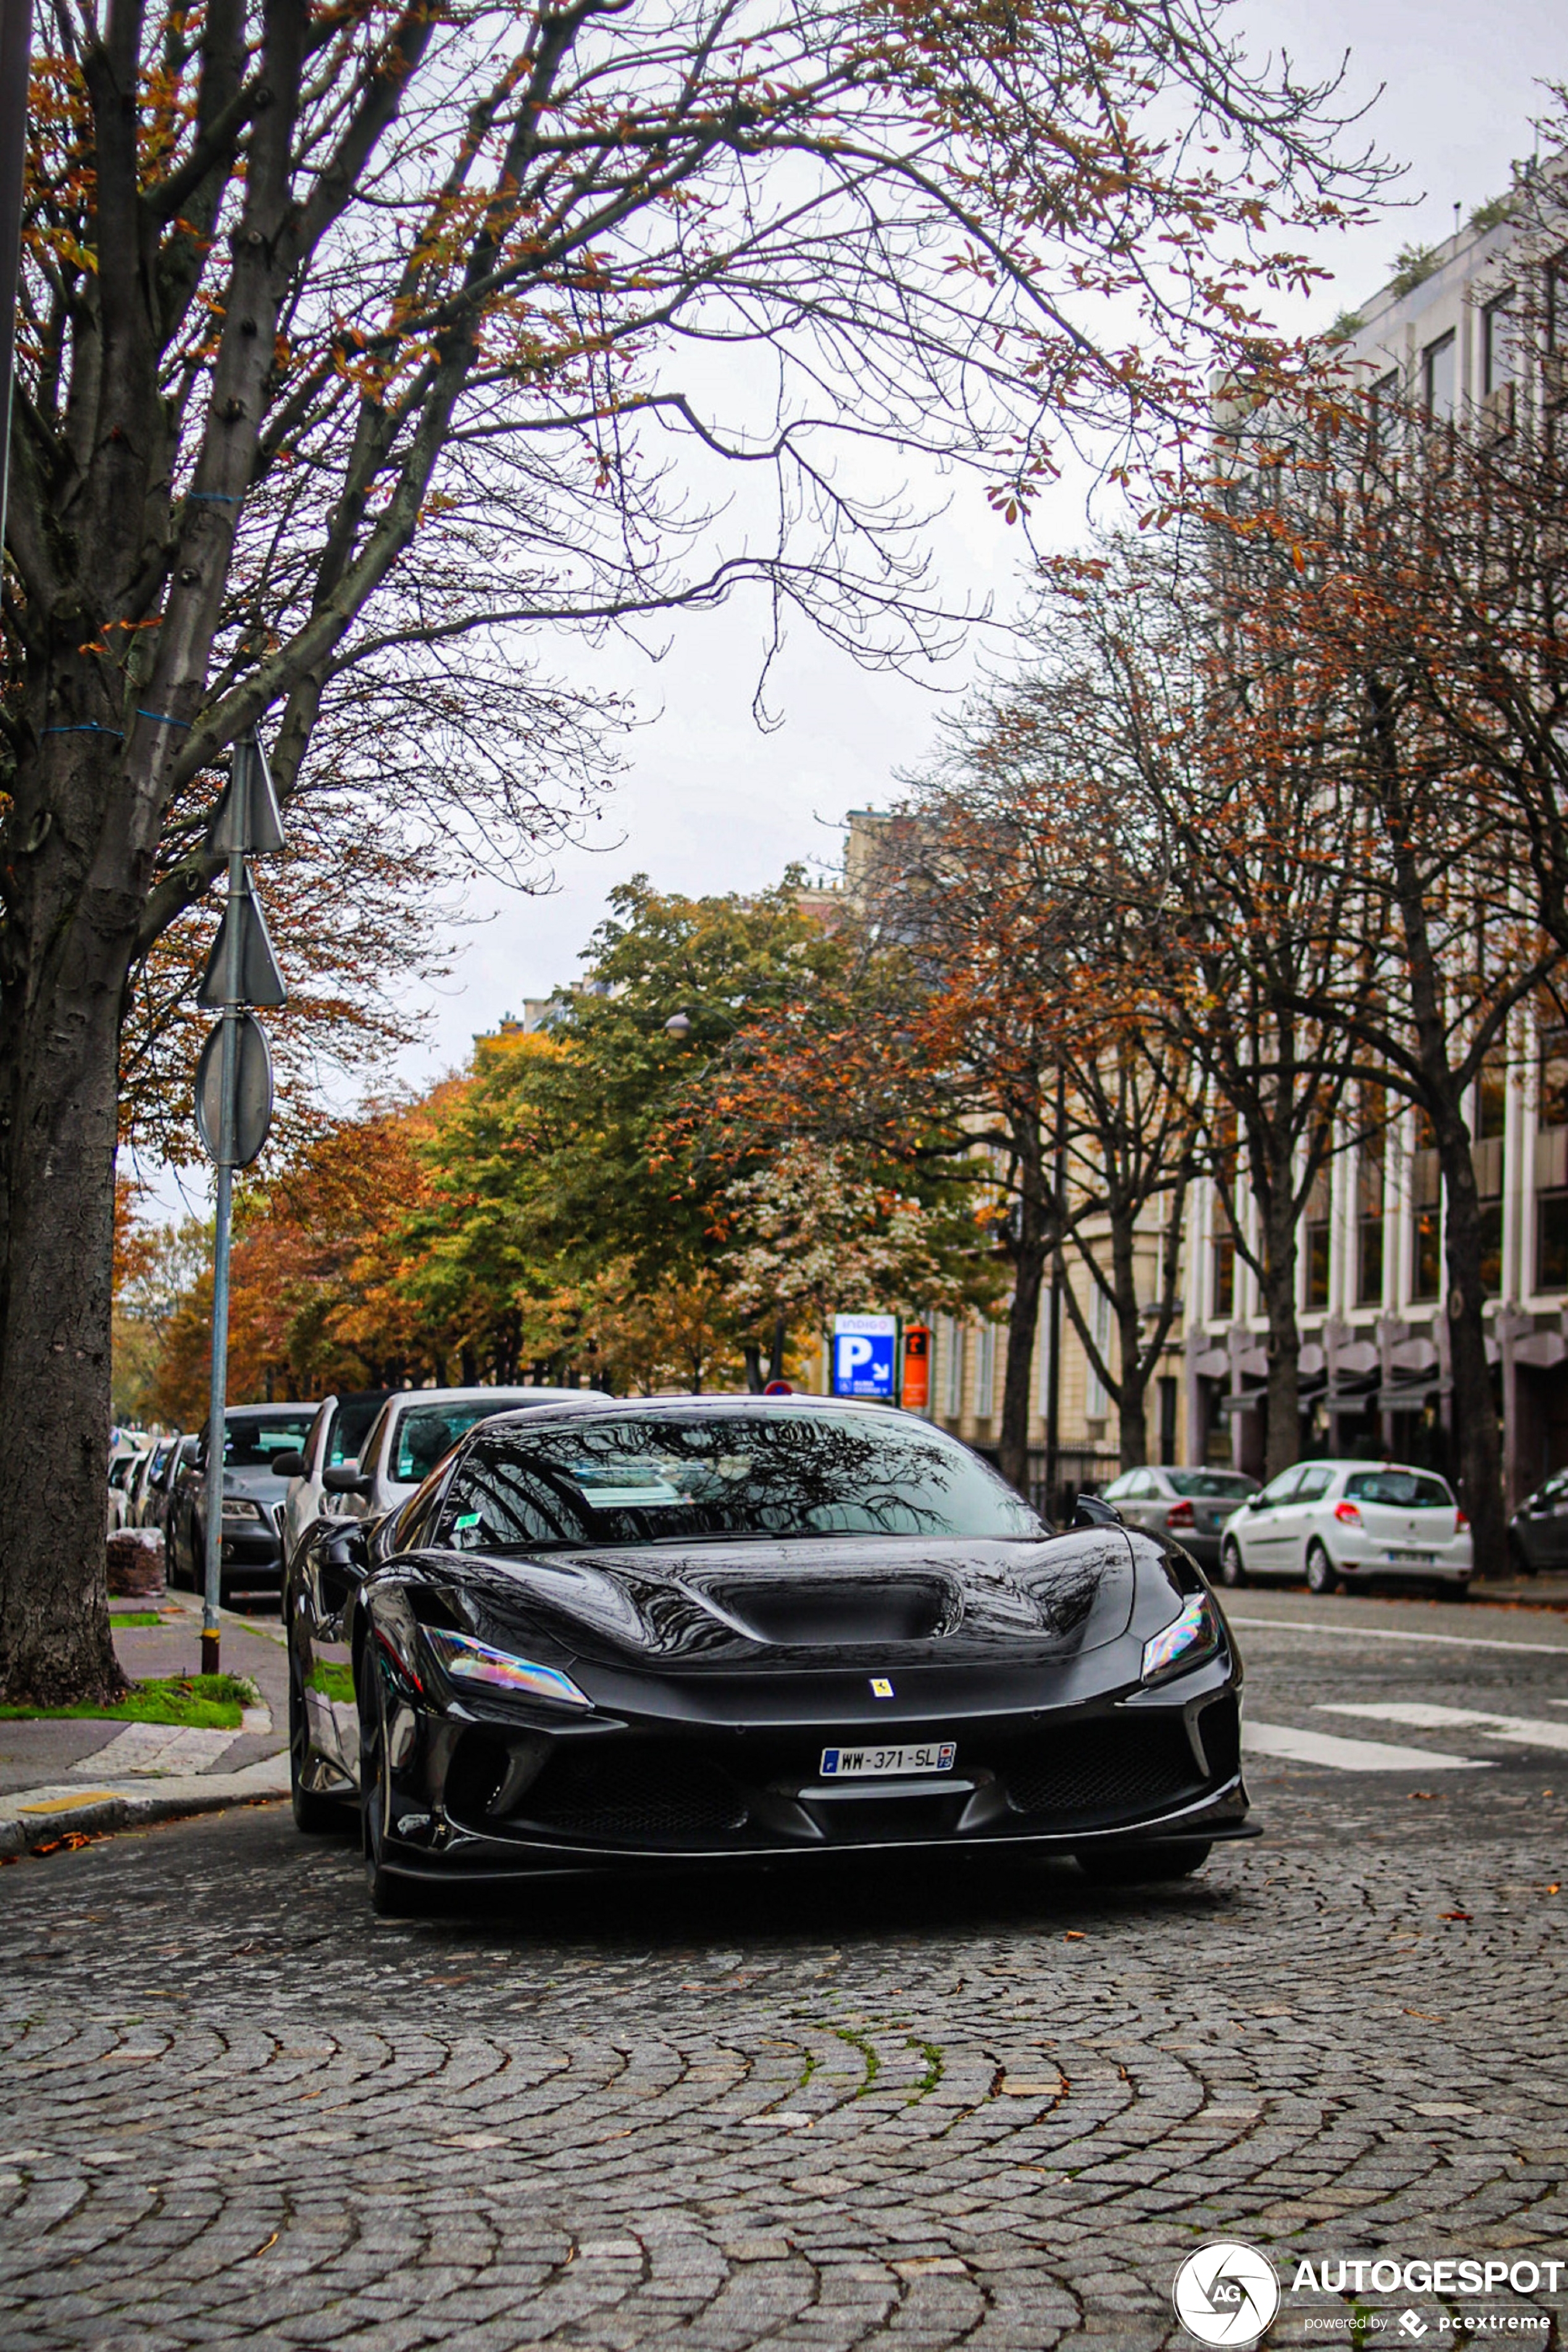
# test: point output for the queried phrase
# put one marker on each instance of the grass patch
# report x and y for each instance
(334, 1682)
(869, 2059)
(134, 1617)
(192, 1702)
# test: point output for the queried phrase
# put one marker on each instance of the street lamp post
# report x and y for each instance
(234, 1092)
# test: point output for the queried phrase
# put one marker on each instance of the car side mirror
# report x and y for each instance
(288, 1466)
(1093, 1511)
(345, 1478)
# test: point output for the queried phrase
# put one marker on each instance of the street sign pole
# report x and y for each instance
(218, 1395)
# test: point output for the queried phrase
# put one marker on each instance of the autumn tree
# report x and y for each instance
(1158, 673)
(1363, 568)
(815, 1232)
(354, 343)
(1055, 1063)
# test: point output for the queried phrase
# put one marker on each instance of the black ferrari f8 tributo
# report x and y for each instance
(713, 1628)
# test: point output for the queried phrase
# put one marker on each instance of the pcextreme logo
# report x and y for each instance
(1226, 2294)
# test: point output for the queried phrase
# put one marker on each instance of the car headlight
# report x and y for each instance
(236, 1506)
(1188, 1638)
(464, 1660)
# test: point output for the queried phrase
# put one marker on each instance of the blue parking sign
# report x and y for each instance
(865, 1356)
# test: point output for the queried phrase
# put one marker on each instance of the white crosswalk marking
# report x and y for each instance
(1523, 1730)
(1284, 1740)
(150, 1750)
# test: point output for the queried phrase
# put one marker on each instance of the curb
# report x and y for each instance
(34, 1817)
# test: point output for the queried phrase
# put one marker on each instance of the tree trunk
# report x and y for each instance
(1131, 1388)
(59, 1068)
(1475, 1410)
(1031, 1251)
(752, 1351)
(1283, 1440)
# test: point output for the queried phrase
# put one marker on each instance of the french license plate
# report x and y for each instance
(887, 1763)
(1414, 1559)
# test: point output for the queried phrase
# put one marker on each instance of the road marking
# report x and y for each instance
(1350, 1755)
(1528, 1731)
(1388, 1634)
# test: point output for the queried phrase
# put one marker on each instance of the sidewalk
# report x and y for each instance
(57, 1777)
(1543, 1591)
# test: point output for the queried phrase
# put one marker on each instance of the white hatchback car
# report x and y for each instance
(1347, 1522)
(415, 1428)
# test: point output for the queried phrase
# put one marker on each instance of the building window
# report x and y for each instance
(986, 1372)
(1500, 344)
(1316, 1229)
(1381, 405)
(1439, 384)
(1486, 1159)
(1425, 1215)
(1222, 1306)
(1097, 1397)
(952, 1337)
(1167, 1419)
(1551, 1164)
(1369, 1203)
(1555, 358)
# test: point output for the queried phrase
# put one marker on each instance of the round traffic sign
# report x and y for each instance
(252, 1093)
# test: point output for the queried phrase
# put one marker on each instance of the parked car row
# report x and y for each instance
(287, 1465)
(362, 1455)
(1331, 1522)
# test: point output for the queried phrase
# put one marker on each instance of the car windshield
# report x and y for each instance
(1229, 1483)
(1409, 1489)
(250, 1444)
(669, 1477)
(424, 1435)
(351, 1427)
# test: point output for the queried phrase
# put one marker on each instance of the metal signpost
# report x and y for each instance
(233, 1089)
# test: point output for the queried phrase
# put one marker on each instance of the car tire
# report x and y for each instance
(1232, 1574)
(1321, 1577)
(391, 1897)
(1143, 1866)
(1519, 1560)
(1460, 1591)
(314, 1814)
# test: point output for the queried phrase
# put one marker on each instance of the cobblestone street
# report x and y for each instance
(988, 2106)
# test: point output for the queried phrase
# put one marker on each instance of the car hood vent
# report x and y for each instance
(820, 1611)
(767, 1602)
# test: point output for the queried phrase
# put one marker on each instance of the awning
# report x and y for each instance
(1409, 1396)
(1248, 1401)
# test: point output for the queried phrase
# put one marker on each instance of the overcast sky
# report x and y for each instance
(708, 802)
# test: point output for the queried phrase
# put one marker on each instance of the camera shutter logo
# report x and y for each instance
(1226, 2294)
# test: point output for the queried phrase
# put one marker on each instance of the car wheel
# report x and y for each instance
(1519, 1560)
(1321, 1576)
(1231, 1571)
(313, 1814)
(1460, 1591)
(1140, 1865)
(391, 1897)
